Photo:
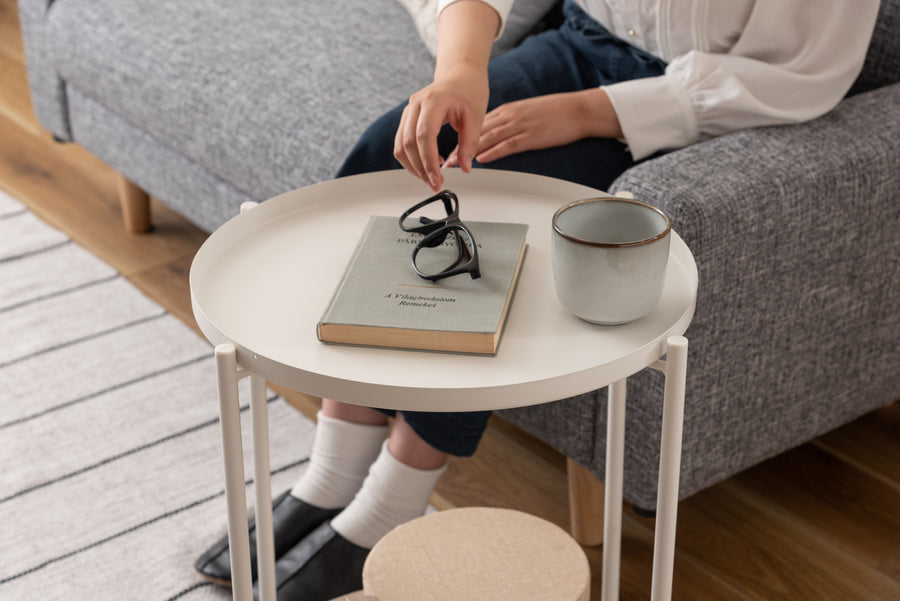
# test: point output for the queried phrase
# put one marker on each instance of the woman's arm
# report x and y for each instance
(793, 62)
(458, 95)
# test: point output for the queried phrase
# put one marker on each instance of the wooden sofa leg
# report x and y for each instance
(135, 205)
(586, 494)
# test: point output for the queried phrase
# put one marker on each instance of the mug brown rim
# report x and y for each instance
(578, 240)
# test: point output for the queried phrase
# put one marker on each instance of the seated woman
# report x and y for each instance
(616, 83)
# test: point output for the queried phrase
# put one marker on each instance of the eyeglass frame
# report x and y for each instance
(435, 231)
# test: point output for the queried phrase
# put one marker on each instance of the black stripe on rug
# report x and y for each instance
(59, 293)
(13, 214)
(61, 345)
(189, 590)
(108, 389)
(34, 252)
(138, 449)
(138, 527)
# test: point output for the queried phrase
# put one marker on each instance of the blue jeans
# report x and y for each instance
(580, 55)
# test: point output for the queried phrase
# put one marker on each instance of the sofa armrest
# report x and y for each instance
(48, 93)
(794, 230)
(781, 199)
(837, 165)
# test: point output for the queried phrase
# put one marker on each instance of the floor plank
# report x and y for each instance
(769, 554)
(691, 581)
(892, 567)
(15, 99)
(10, 32)
(71, 190)
(856, 511)
(872, 443)
(169, 286)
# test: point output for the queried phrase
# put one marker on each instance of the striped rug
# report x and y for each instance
(111, 479)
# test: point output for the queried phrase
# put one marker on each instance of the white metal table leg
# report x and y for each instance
(232, 450)
(612, 511)
(669, 469)
(265, 545)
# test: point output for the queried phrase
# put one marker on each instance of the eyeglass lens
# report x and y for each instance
(454, 248)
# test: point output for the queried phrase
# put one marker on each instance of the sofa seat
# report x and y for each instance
(240, 92)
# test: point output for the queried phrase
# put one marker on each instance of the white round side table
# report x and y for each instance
(260, 283)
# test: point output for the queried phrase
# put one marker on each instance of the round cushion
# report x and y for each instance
(477, 554)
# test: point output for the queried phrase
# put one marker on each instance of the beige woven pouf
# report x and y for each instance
(476, 554)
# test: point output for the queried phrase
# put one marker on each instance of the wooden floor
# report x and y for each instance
(821, 522)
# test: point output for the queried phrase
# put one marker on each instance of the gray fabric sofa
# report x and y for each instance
(206, 105)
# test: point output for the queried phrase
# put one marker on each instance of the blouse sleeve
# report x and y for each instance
(501, 6)
(793, 62)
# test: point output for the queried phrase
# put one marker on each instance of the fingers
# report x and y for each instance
(415, 143)
(501, 136)
(448, 102)
(504, 148)
(467, 146)
(491, 133)
(524, 125)
(426, 133)
(405, 150)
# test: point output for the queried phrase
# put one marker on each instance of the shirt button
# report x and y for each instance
(632, 33)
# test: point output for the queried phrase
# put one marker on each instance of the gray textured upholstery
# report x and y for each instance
(48, 93)
(209, 104)
(197, 193)
(796, 331)
(241, 92)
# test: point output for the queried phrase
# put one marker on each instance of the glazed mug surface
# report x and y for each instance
(609, 258)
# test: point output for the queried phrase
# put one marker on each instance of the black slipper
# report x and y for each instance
(322, 566)
(292, 520)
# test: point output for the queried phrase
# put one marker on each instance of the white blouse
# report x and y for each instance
(732, 64)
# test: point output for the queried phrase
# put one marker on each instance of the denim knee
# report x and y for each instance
(452, 433)
(374, 151)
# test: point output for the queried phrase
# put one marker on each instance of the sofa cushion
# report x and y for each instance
(268, 96)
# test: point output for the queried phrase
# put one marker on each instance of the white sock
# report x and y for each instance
(392, 494)
(340, 459)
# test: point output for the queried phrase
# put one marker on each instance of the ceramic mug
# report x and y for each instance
(609, 258)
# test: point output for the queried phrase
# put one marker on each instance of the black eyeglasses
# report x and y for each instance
(439, 259)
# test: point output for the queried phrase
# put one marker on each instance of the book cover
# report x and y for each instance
(382, 302)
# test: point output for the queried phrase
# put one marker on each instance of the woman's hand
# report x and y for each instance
(458, 95)
(459, 99)
(543, 122)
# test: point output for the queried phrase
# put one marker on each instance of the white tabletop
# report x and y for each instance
(262, 281)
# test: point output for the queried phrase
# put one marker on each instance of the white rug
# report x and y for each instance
(111, 479)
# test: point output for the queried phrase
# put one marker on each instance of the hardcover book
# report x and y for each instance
(382, 302)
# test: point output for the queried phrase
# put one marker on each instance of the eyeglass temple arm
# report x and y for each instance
(447, 196)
